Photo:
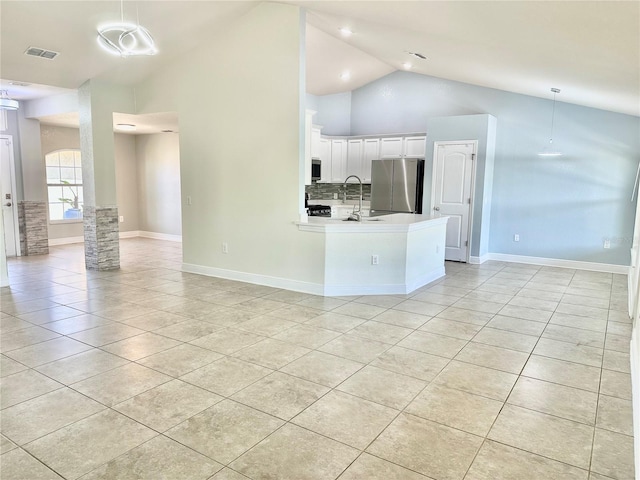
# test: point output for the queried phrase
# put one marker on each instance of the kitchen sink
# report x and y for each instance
(363, 220)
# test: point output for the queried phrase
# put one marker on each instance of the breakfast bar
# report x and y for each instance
(383, 255)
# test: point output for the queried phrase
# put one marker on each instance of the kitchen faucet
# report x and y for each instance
(355, 215)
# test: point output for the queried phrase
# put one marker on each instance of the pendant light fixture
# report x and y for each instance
(548, 151)
(126, 39)
(6, 102)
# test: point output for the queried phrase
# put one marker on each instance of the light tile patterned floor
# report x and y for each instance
(498, 371)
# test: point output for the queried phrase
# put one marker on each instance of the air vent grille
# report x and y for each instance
(41, 52)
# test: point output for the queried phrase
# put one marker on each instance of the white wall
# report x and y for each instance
(127, 181)
(158, 161)
(238, 99)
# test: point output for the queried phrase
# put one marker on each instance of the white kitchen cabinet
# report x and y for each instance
(414, 147)
(315, 141)
(338, 160)
(371, 151)
(354, 157)
(403, 147)
(324, 154)
(391, 147)
(307, 145)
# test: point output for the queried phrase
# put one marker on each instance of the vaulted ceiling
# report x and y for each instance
(588, 49)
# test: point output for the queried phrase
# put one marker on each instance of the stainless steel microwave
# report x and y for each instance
(316, 169)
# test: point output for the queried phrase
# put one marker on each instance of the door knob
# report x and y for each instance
(8, 204)
(437, 209)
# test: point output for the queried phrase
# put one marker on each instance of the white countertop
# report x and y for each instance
(393, 223)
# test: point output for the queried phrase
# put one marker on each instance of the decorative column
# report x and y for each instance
(34, 233)
(97, 102)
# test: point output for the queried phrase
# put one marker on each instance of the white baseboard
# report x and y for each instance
(160, 236)
(314, 288)
(557, 262)
(277, 282)
(129, 234)
(479, 260)
(65, 241)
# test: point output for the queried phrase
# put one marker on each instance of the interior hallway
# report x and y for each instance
(496, 371)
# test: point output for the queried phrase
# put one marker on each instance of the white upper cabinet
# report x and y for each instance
(338, 160)
(371, 151)
(354, 157)
(414, 147)
(324, 154)
(307, 145)
(391, 147)
(315, 141)
(346, 156)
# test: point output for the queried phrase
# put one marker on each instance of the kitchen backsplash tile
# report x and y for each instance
(325, 191)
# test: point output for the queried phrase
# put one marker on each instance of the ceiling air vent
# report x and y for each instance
(41, 52)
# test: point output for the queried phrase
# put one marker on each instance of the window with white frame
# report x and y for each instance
(64, 185)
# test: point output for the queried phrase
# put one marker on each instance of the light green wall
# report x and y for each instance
(158, 161)
(238, 103)
(96, 103)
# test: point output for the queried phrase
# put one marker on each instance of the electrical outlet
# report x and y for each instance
(437, 248)
(516, 237)
(225, 247)
(121, 218)
(335, 196)
(607, 243)
(375, 260)
(188, 199)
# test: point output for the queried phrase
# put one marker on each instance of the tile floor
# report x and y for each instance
(498, 371)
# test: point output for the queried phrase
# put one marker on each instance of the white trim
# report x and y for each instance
(295, 285)
(315, 288)
(558, 262)
(159, 236)
(14, 193)
(479, 260)
(65, 241)
(128, 234)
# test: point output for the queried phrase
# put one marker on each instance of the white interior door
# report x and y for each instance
(8, 188)
(451, 194)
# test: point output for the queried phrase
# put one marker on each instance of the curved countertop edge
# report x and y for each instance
(393, 223)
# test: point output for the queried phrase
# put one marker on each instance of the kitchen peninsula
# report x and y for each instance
(389, 254)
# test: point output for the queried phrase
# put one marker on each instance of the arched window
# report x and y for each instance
(64, 185)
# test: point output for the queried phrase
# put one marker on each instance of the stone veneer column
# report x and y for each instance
(96, 103)
(34, 232)
(101, 238)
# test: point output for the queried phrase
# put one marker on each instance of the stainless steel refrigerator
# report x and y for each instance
(396, 185)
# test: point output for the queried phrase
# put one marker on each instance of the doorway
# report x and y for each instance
(452, 193)
(8, 196)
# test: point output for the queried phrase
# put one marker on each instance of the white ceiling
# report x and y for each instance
(588, 49)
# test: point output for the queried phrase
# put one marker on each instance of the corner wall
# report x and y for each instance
(238, 99)
(467, 127)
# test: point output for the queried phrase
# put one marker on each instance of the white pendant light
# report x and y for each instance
(7, 103)
(548, 150)
(126, 39)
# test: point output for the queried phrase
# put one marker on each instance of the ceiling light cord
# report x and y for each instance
(546, 151)
(553, 113)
